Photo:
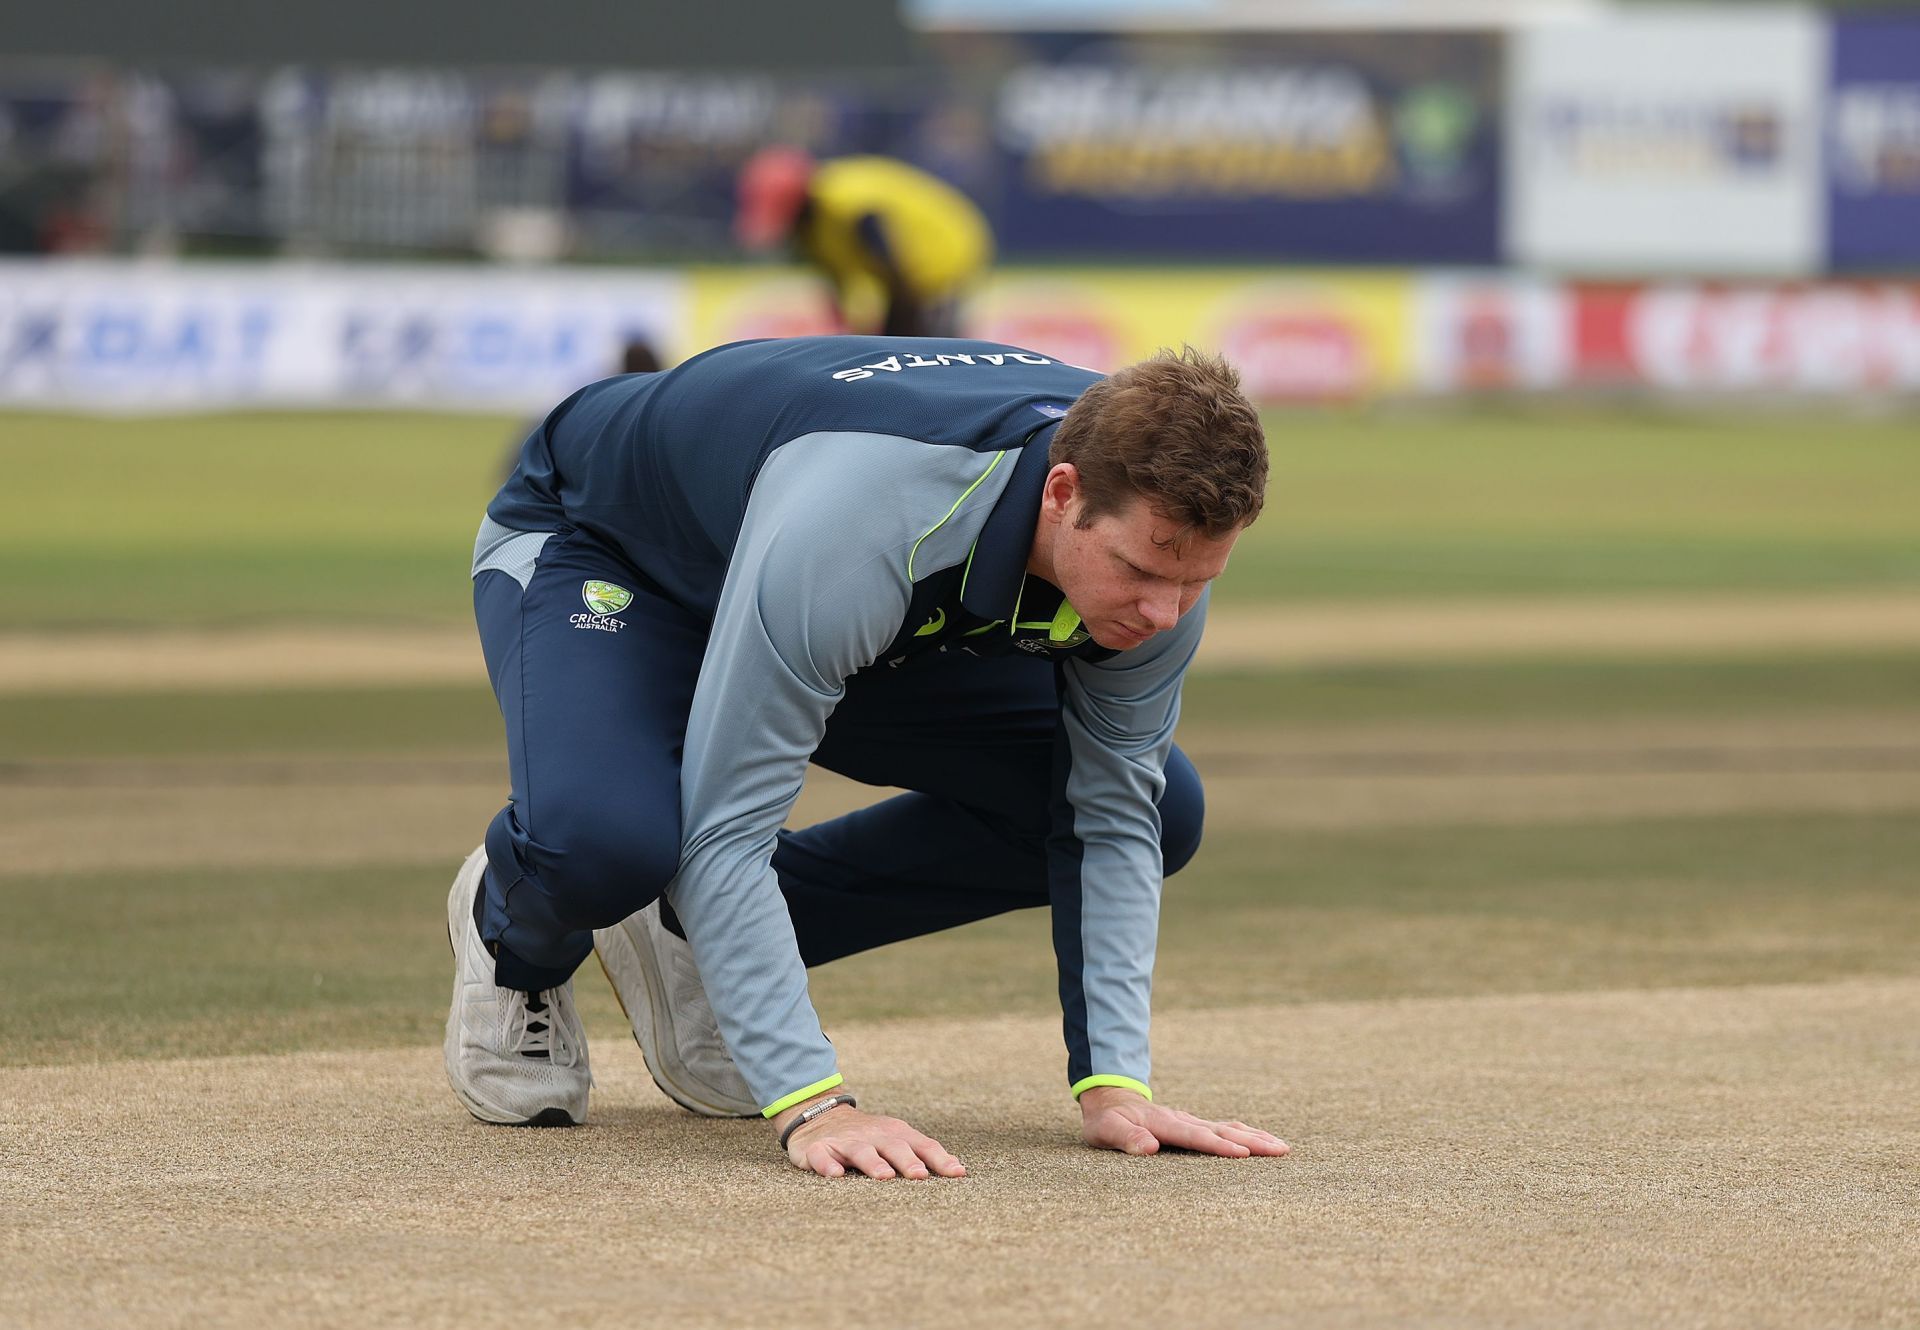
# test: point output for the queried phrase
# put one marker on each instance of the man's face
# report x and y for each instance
(1119, 573)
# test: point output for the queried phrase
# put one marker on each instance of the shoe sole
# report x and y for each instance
(653, 1031)
(546, 1117)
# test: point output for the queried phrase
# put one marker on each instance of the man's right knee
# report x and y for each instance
(600, 869)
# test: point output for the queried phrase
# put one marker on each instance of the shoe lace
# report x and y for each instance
(536, 1034)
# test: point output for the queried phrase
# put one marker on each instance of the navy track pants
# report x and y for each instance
(595, 723)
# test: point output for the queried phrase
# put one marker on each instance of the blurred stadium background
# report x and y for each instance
(1561, 717)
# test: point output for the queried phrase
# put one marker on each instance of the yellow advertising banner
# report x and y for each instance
(732, 304)
(1295, 334)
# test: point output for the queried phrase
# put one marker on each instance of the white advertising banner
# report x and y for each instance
(1479, 332)
(1670, 140)
(128, 336)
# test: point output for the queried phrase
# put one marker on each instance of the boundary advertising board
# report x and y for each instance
(1638, 145)
(1351, 147)
(1828, 337)
(105, 336)
(1873, 143)
(108, 335)
(1295, 335)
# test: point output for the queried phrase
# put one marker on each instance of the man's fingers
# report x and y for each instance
(851, 1144)
(900, 1154)
(868, 1160)
(820, 1158)
(1144, 1129)
(1260, 1142)
(1200, 1136)
(937, 1158)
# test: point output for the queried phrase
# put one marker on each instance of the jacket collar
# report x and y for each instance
(990, 588)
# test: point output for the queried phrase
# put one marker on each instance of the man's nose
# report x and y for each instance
(1161, 609)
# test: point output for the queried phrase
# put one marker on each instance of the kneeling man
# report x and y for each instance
(955, 567)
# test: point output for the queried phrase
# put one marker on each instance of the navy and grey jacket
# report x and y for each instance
(832, 505)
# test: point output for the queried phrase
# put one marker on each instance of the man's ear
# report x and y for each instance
(1059, 491)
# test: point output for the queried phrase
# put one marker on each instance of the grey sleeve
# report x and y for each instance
(1117, 721)
(817, 586)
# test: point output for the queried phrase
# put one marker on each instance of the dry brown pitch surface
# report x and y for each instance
(1733, 1157)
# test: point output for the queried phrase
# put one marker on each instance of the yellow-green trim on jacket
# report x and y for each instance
(787, 1101)
(1087, 1083)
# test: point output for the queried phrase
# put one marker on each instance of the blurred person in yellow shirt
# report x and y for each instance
(898, 246)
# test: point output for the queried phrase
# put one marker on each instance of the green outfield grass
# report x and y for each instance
(218, 960)
(210, 963)
(1454, 911)
(243, 518)
(419, 720)
(330, 721)
(369, 517)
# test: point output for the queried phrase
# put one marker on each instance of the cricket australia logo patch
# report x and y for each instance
(605, 597)
(605, 600)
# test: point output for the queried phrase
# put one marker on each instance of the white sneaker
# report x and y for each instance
(653, 975)
(513, 1058)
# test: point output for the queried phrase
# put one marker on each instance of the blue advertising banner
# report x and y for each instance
(1348, 147)
(1873, 143)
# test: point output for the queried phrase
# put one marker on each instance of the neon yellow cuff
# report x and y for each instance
(786, 1102)
(1085, 1084)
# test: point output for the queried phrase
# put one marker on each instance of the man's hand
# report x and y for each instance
(1114, 1118)
(845, 1139)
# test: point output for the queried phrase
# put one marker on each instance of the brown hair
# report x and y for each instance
(1174, 430)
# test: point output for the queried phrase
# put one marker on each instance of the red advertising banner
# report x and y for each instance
(1819, 337)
